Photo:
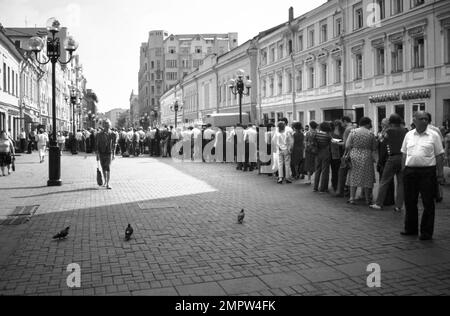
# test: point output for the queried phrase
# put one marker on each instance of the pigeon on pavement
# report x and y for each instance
(62, 234)
(128, 232)
(241, 217)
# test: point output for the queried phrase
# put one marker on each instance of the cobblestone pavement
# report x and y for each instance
(187, 241)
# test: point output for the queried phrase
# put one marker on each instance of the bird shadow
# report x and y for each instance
(57, 192)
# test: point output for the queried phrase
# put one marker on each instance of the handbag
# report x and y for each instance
(99, 175)
(346, 161)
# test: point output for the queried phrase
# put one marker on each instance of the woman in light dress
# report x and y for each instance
(361, 144)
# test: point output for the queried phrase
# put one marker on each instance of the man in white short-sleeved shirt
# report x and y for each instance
(423, 164)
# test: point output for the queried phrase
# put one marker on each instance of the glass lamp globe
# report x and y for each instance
(35, 44)
(248, 84)
(240, 73)
(232, 83)
(53, 25)
(70, 44)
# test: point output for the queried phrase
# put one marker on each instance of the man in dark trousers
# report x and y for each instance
(393, 137)
(31, 141)
(105, 145)
(423, 165)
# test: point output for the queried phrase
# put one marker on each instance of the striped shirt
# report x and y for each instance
(323, 140)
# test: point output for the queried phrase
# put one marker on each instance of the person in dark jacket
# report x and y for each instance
(297, 155)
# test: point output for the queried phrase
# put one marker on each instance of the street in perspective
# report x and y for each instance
(308, 155)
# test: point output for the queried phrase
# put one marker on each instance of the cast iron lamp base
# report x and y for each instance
(54, 166)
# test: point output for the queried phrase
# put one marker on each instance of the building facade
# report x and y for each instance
(165, 59)
(356, 58)
(206, 90)
(114, 116)
(10, 65)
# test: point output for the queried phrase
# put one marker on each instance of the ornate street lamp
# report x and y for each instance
(177, 106)
(36, 44)
(73, 101)
(237, 87)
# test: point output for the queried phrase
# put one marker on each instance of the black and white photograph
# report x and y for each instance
(224, 156)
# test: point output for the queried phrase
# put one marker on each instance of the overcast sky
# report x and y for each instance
(110, 32)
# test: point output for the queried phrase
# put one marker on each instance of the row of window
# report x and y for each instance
(397, 65)
(186, 50)
(10, 81)
(173, 63)
(29, 88)
(278, 51)
(396, 62)
(152, 89)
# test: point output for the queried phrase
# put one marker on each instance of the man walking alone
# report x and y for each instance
(105, 145)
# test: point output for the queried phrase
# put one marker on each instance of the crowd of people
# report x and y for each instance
(350, 154)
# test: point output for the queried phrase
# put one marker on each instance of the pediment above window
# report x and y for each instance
(358, 47)
(323, 55)
(417, 31)
(336, 53)
(445, 23)
(379, 42)
(397, 37)
(310, 59)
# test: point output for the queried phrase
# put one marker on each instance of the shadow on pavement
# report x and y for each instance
(57, 192)
(24, 188)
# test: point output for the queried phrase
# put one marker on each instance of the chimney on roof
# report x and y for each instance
(291, 14)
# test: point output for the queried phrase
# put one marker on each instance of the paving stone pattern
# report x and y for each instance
(187, 240)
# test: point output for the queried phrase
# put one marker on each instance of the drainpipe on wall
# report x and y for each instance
(198, 98)
(22, 94)
(343, 59)
(218, 88)
(253, 53)
(291, 53)
(435, 72)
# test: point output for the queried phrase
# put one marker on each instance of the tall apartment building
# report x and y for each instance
(165, 59)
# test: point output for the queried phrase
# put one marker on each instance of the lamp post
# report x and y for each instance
(144, 122)
(238, 85)
(177, 106)
(73, 101)
(90, 118)
(36, 44)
